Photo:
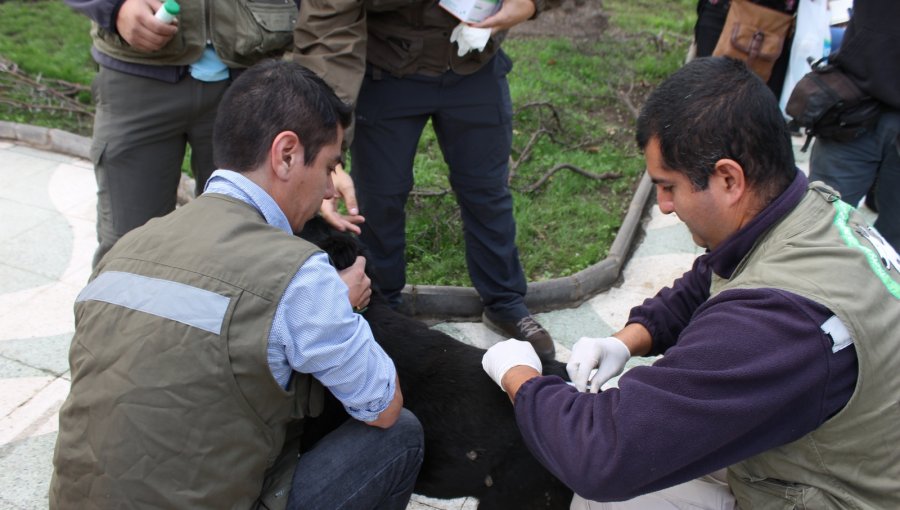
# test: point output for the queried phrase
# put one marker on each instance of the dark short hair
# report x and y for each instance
(714, 108)
(268, 98)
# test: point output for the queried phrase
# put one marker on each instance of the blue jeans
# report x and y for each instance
(360, 467)
(852, 167)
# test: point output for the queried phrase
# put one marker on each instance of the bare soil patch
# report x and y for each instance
(577, 19)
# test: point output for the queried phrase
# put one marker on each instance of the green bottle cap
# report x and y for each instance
(172, 7)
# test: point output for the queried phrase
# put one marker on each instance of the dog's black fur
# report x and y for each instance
(472, 443)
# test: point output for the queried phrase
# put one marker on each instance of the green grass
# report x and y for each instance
(48, 42)
(582, 94)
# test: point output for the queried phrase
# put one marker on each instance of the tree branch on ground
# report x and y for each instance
(625, 97)
(566, 166)
(47, 89)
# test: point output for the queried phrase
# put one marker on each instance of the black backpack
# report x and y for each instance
(828, 104)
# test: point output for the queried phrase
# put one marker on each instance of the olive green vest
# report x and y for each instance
(173, 404)
(819, 251)
(243, 32)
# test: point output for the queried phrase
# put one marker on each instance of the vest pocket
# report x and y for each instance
(775, 493)
(261, 28)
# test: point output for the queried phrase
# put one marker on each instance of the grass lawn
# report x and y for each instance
(574, 100)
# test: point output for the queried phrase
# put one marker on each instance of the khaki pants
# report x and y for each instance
(709, 492)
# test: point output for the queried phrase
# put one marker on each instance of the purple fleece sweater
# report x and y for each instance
(742, 373)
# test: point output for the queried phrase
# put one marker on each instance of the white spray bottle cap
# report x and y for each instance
(168, 11)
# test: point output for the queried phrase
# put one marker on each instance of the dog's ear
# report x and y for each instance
(316, 230)
(341, 247)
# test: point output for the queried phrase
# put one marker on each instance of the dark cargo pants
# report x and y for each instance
(472, 118)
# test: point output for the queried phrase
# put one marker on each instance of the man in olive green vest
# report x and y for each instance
(778, 383)
(157, 90)
(207, 336)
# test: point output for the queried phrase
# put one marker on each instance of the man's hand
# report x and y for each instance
(343, 189)
(505, 355)
(511, 13)
(358, 284)
(608, 355)
(138, 26)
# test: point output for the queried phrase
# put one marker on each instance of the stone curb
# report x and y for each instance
(55, 140)
(437, 302)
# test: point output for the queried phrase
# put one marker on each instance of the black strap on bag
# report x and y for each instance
(828, 104)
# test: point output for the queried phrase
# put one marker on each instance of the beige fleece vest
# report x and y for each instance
(821, 250)
(173, 404)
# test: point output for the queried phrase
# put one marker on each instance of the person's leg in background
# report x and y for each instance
(140, 132)
(360, 467)
(710, 20)
(851, 168)
(474, 128)
(200, 130)
(887, 189)
(390, 116)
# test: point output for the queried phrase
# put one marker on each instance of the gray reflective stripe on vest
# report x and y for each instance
(189, 305)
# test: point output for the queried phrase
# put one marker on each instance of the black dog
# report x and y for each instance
(472, 444)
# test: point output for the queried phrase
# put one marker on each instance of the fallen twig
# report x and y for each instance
(566, 166)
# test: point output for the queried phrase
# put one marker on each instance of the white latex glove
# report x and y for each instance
(469, 38)
(608, 355)
(507, 354)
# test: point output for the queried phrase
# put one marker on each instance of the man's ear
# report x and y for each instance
(286, 151)
(728, 176)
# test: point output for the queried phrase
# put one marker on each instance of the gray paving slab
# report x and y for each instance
(48, 355)
(44, 249)
(14, 279)
(25, 469)
(19, 218)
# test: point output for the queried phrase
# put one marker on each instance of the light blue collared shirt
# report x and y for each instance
(315, 330)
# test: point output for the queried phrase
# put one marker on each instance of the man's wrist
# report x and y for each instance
(515, 377)
(636, 337)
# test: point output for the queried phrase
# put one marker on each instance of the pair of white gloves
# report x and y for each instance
(607, 355)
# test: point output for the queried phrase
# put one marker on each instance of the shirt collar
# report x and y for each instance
(725, 258)
(236, 185)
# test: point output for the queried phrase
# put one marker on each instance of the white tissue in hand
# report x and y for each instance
(469, 38)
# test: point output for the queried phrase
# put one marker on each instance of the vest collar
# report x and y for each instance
(726, 257)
